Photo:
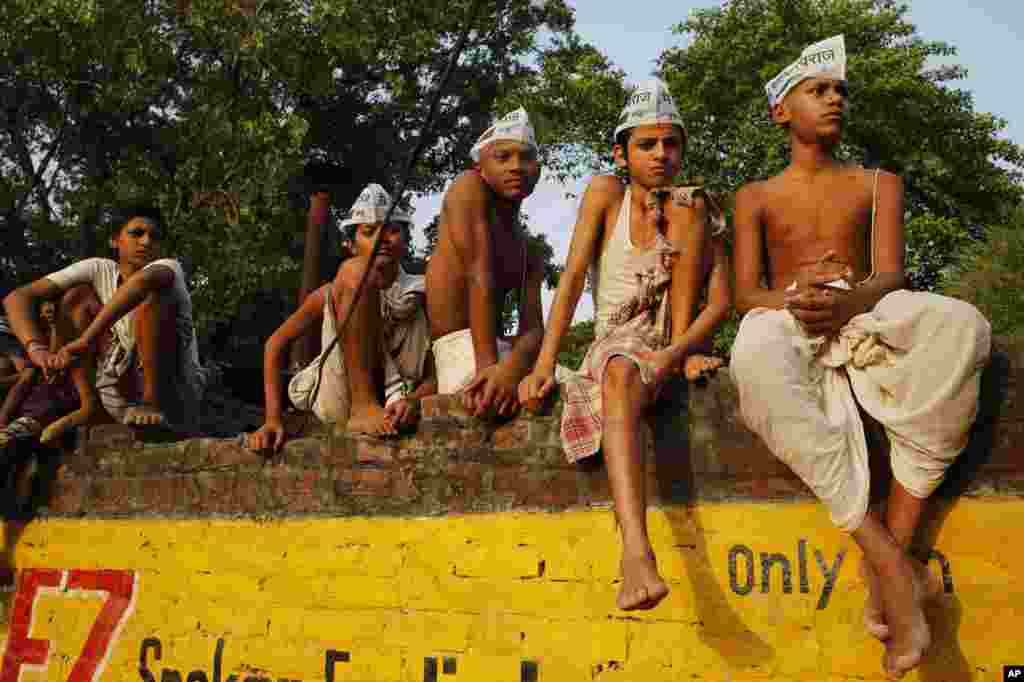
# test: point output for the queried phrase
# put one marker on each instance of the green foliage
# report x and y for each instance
(575, 344)
(990, 275)
(906, 116)
(212, 109)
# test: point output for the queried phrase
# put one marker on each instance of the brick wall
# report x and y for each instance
(352, 559)
(454, 463)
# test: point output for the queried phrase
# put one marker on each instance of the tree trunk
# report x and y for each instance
(307, 346)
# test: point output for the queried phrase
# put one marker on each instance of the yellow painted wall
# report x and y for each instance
(504, 598)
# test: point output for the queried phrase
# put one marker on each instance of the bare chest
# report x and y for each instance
(509, 262)
(800, 229)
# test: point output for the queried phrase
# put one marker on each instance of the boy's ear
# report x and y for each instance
(781, 114)
(619, 154)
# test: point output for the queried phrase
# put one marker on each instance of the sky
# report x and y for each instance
(986, 33)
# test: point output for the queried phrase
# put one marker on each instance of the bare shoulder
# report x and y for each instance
(468, 187)
(754, 194)
(604, 191)
(350, 272)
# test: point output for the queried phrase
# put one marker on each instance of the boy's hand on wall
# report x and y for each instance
(270, 437)
(492, 392)
(534, 388)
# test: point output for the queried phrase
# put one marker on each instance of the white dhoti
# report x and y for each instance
(914, 364)
(456, 362)
(404, 342)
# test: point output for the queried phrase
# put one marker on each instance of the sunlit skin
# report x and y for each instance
(82, 321)
(359, 344)
(652, 159)
(810, 226)
(477, 262)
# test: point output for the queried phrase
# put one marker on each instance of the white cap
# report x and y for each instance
(372, 207)
(649, 104)
(825, 59)
(514, 126)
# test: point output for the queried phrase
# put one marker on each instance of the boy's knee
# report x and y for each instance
(620, 374)
(77, 298)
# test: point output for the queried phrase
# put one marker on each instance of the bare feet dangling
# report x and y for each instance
(642, 585)
(372, 420)
(909, 634)
(874, 614)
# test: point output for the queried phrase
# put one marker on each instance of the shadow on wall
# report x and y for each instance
(27, 473)
(720, 628)
(947, 662)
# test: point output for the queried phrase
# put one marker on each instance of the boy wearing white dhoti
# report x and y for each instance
(819, 274)
(372, 378)
(646, 256)
(481, 257)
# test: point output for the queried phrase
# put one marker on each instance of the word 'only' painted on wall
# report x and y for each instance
(743, 570)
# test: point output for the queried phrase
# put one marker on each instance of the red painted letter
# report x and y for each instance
(120, 589)
(21, 649)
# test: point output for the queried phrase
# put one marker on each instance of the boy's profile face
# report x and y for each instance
(510, 168)
(654, 154)
(137, 242)
(814, 109)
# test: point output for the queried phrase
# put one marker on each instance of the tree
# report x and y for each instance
(907, 116)
(213, 109)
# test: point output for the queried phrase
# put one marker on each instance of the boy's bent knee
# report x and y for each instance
(620, 375)
(79, 297)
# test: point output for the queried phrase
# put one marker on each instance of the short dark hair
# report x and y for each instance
(126, 212)
(622, 139)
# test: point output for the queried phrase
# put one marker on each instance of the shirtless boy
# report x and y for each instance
(481, 256)
(648, 264)
(831, 328)
(148, 369)
(373, 378)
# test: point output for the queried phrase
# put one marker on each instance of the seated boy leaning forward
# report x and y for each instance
(647, 263)
(373, 377)
(481, 256)
(146, 372)
(833, 328)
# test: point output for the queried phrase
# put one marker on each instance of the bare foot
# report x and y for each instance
(874, 614)
(909, 631)
(144, 415)
(700, 366)
(642, 585)
(80, 417)
(372, 420)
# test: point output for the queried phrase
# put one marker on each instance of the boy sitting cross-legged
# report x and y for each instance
(828, 326)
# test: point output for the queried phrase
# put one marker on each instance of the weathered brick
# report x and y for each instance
(230, 453)
(375, 452)
(112, 496)
(297, 491)
(371, 482)
(513, 435)
(229, 493)
(166, 495)
(68, 495)
(465, 480)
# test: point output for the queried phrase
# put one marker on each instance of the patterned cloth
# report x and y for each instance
(642, 324)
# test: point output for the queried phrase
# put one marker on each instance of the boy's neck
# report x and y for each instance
(810, 158)
(125, 269)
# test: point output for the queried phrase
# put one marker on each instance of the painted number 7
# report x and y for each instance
(24, 651)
